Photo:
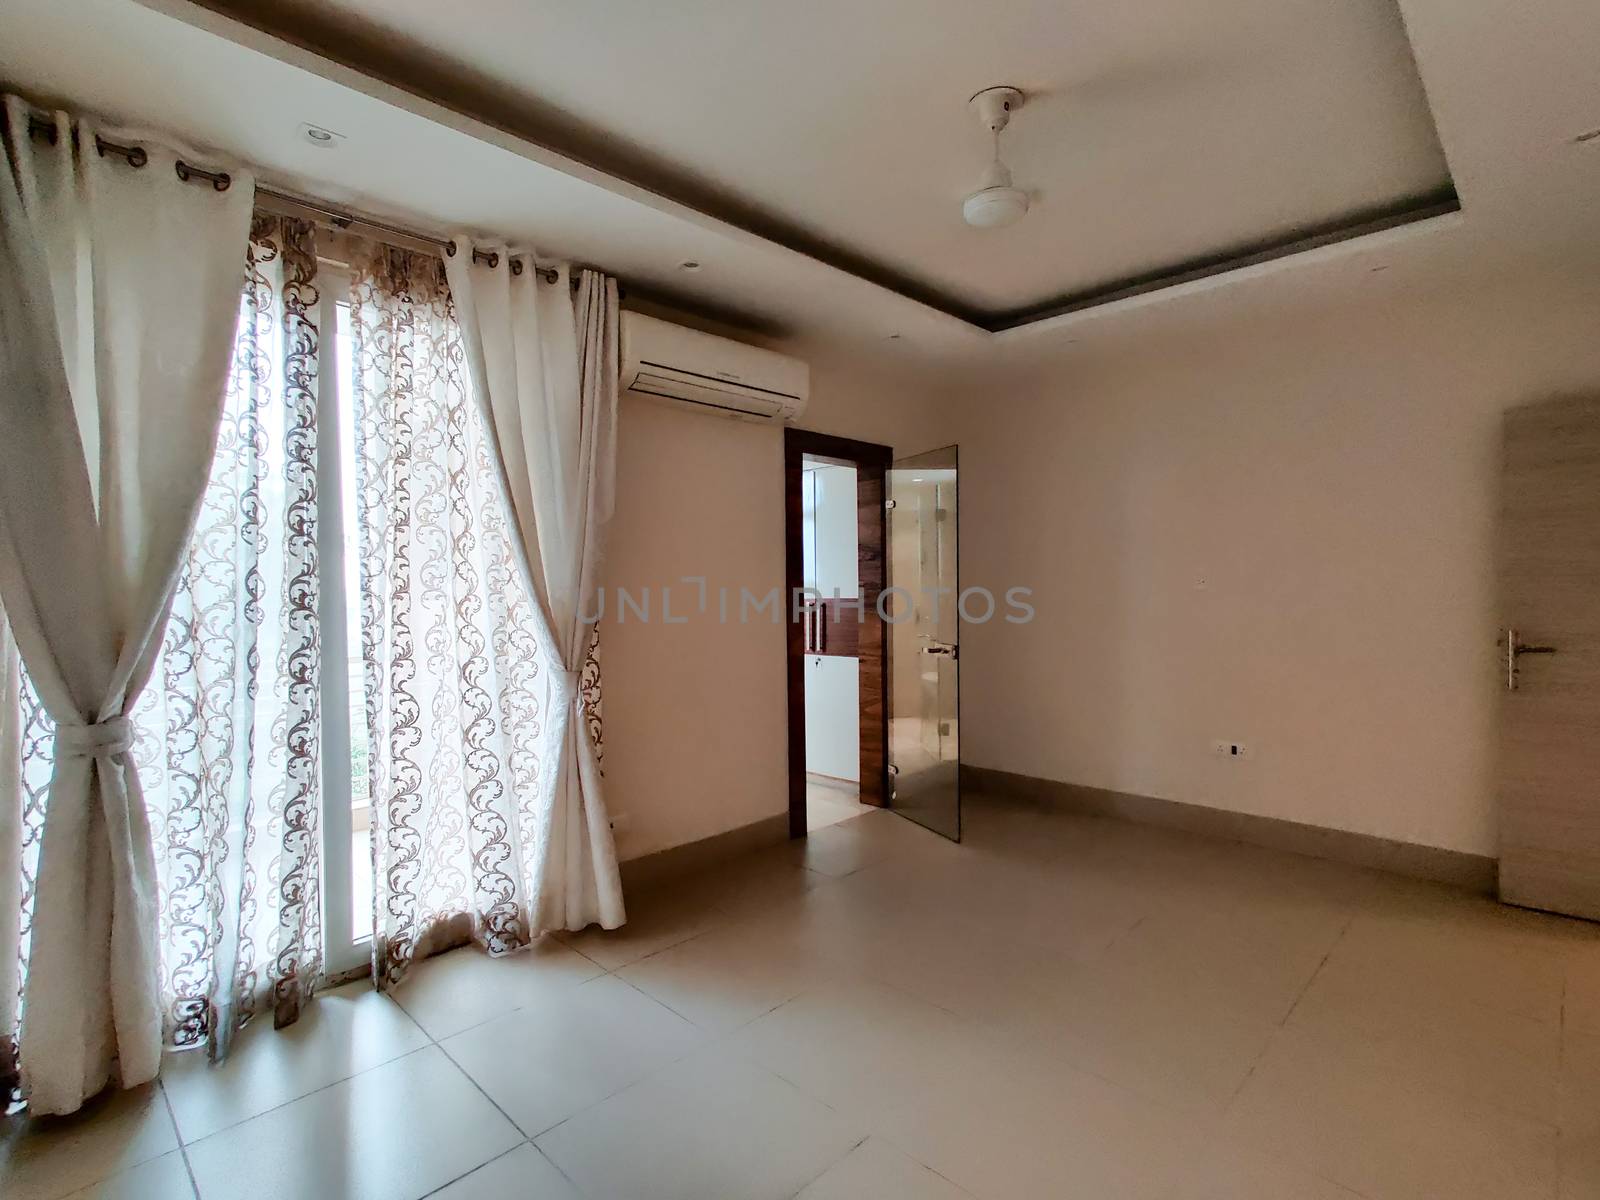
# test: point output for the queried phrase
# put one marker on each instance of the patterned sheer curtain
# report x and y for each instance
(594, 713)
(457, 685)
(227, 729)
(233, 734)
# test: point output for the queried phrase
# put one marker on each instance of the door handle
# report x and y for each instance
(945, 649)
(1515, 650)
(814, 627)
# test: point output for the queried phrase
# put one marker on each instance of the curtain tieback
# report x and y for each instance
(111, 736)
(570, 684)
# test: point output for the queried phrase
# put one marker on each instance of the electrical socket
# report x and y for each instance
(1227, 749)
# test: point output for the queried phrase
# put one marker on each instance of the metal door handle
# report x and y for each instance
(941, 648)
(813, 628)
(1514, 651)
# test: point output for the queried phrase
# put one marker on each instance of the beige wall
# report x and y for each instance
(695, 713)
(1276, 532)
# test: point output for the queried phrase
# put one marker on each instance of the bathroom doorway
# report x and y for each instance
(835, 538)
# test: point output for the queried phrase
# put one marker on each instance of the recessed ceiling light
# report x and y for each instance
(323, 139)
(1592, 135)
(689, 265)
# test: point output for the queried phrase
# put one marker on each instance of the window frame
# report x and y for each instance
(346, 946)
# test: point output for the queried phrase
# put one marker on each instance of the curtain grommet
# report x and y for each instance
(220, 181)
(134, 156)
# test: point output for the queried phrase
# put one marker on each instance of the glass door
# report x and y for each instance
(924, 631)
(346, 817)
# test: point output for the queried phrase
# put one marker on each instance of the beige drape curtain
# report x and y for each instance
(459, 690)
(12, 807)
(119, 292)
(545, 363)
(226, 737)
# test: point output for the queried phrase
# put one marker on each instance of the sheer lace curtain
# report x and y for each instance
(229, 735)
(458, 688)
(225, 735)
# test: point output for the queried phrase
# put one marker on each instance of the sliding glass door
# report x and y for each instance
(346, 816)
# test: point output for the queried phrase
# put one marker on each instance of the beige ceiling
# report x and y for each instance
(1512, 88)
(1156, 134)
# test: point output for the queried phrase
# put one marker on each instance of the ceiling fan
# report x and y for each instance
(996, 202)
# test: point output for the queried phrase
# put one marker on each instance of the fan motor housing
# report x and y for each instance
(994, 105)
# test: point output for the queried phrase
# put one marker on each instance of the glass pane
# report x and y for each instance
(924, 695)
(360, 899)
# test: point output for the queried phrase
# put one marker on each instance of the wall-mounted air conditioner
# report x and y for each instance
(709, 374)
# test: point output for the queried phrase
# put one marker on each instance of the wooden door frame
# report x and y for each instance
(871, 462)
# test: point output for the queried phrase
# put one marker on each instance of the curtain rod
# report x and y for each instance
(134, 156)
(286, 204)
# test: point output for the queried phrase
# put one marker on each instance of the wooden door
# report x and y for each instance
(1549, 678)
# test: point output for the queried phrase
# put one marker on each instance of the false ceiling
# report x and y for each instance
(1157, 138)
(635, 142)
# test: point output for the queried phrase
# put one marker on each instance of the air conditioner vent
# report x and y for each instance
(710, 374)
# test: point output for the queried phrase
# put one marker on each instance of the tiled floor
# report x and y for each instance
(1057, 1008)
(828, 802)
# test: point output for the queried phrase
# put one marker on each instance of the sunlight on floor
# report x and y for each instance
(828, 803)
